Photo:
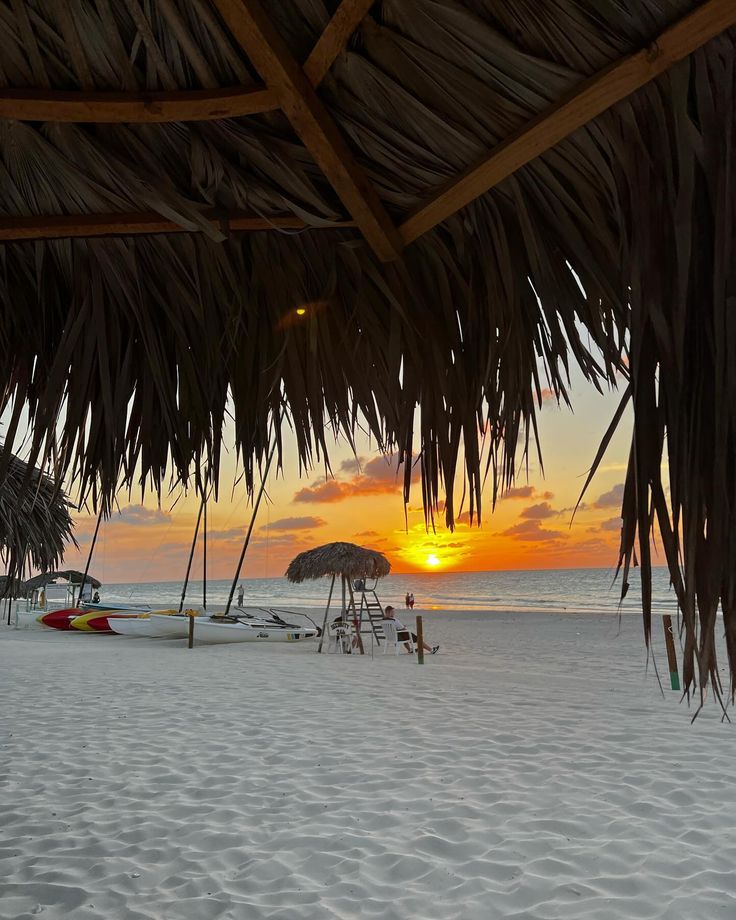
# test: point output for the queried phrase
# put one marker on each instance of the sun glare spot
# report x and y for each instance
(432, 560)
(300, 311)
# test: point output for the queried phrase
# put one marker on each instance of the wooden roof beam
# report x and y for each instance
(251, 26)
(178, 105)
(575, 110)
(332, 41)
(138, 223)
(106, 107)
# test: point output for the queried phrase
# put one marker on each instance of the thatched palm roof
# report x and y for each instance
(35, 525)
(338, 559)
(463, 197)
(50, 578)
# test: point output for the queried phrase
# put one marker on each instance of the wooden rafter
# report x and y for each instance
(583, 104)
(176, 105)
(137, 223)
(332, 41)
(251, 26)
(104, 107)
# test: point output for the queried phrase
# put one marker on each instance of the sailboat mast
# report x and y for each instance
(264, 479)
(204, 563)
(191, 555)
(89, 557)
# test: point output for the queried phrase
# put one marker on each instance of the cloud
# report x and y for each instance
(613, 523)
(140, 516)
(232, 534)
(378, 476)
(611, 499)
(297, 523)
(540, 512)
(531, 531)
(518, 492)
(352, 466)
(325, 492)
(366, 533)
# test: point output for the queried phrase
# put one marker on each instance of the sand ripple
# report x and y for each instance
(140, 781)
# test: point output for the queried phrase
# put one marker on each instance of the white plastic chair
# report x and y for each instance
(339, 639)
(392, 637)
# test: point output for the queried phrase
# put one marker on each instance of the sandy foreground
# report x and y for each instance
(531, 769)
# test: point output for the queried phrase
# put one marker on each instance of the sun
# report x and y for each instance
(432, 561)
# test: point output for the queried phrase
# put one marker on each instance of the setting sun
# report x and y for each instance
(432, 560)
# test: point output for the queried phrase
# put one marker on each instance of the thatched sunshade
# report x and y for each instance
(553, 181)
(50, 578)
(338, 559)
(346, 561)
(35, 525)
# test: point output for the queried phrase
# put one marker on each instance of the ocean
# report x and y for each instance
(554, 591)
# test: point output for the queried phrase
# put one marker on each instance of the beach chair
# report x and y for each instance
(392, 640)
(339, 639)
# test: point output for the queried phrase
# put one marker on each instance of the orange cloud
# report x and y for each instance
(378, 476)
(297, 523)
(525, 492)
(139, 516)
(531, 531)
(540, 512)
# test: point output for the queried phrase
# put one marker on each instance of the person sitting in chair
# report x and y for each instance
(404, 635)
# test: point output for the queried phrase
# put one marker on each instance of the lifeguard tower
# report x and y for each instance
(359, 569)
(368, 608)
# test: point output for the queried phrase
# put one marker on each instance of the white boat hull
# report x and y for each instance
(208, 631)
(29, 619)
(133, 626)
(88, 606)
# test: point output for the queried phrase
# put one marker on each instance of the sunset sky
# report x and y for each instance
(531, 527)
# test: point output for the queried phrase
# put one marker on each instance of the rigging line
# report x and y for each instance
(191, 555)
(261, 491)
(89, 555)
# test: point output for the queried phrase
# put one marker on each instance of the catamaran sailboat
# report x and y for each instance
(264, 626)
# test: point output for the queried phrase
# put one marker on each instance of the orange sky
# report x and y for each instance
(530, 528)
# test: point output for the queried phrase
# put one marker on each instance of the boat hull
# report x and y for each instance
(215, 633)
(99, 622)
(60, 619)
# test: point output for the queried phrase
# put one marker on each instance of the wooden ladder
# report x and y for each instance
(370, 614)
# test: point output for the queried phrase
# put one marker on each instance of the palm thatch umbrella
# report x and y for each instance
(50, 578)
(358, 208)
(347, 560)
(35, 525)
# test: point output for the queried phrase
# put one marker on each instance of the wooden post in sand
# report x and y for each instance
(669, 640)
(191, 630)
(420, 640)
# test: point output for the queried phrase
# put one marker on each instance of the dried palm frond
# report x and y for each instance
(35, 525)
(612, 251)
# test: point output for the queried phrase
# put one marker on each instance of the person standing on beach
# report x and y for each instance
(411, 602)
(241, 594)
(403, 634)
(406, 600)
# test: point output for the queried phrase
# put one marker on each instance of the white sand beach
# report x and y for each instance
(531, 769)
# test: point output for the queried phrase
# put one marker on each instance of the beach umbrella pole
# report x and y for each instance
(327, 611)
